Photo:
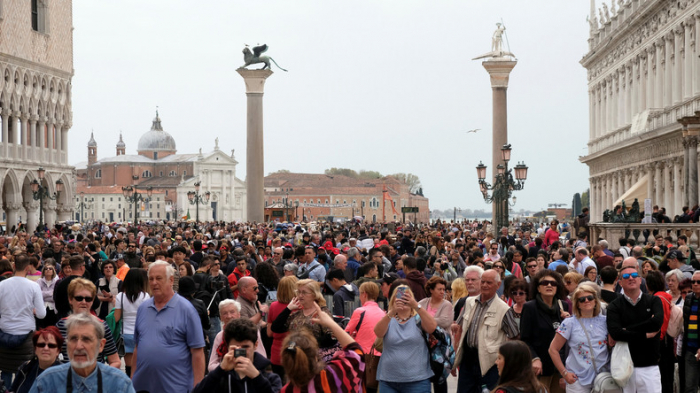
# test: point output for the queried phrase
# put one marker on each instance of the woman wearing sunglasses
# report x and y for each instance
(81, 294)
(47, 345)
(540, 320)
(518, 293)
(587, 337)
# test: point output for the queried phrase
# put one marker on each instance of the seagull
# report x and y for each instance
(474, 130)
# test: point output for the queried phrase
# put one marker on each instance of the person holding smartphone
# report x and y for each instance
(241, 369)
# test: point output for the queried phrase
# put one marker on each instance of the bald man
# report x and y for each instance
(631, 262)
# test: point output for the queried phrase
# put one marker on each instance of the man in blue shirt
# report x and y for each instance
(169, 352)
(85, 339)
(561, 256)
(353, 263)
(311, 269)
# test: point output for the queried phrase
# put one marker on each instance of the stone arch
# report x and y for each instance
(44, 88)
(58, 112)
(10, 188)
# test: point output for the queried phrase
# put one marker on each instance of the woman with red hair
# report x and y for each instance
(47, 345)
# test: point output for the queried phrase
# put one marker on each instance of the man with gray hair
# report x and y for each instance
(341, 262)
(169, 351)
(84, 341)
(605, 245)
(353, 261)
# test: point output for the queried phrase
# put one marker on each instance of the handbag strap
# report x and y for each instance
(589, 343)
(359, 323)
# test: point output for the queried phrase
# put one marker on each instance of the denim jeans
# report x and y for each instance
(692, 371)
(405, 387)
(213, 331)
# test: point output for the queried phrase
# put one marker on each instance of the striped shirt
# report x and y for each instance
(692, 334)
(345, 373)
(110, 347)
(508, 324)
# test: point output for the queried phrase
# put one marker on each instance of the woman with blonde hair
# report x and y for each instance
(286, 290)
(586, 334)
(571, 281)
(402, 329)
(459, 290)
(299, 312)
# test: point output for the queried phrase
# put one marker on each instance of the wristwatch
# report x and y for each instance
(419, 307)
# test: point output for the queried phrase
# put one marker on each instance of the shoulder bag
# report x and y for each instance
(603, 382)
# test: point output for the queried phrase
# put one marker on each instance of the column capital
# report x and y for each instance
(33, 118)
(678, 30)
(254, 79)
(499, 71)
(6, 112)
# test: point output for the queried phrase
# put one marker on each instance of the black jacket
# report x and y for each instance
(25, 377)
(631, 324)
(537, 330)
(229, 381)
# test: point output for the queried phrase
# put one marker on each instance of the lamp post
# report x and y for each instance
(82, 205)
(296, 210)
(286, 205)
(39, 192)
(196, 198)
(503, 187)
(454, 216)
(131, 195)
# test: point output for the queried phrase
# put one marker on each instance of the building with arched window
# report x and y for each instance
(36, 70)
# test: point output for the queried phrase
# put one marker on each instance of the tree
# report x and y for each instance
(280, 171)
(369, 175)
(576, 205)
(585, 199)
(341, 171)
(412, 180)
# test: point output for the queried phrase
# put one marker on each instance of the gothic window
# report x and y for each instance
(147, 174)
(173, 174)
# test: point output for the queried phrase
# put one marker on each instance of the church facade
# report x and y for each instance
(36, 69)
(644, 101)
(168, 175)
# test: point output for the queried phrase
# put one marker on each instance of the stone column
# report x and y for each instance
(686, 168)
(598, 110)
(6, 136)
(25, 138)
(255, 163)
(692, 184)
(689, 24)
(695, 56)
(12, 211)
(499, 73)
(677, 186)
(658, 184)
(50, 213)
(659, 74)
(678, 65)
(650, 168)
(42, 139)
(32, 209)
(651, 56)
(50, 135)
(668, 188)
(615, 102)
(604, 101)
(628, 93)
(33, 155)
(668, 69)
(591, 114)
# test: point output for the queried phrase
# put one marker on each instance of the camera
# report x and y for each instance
(239, 352)
(443, 266)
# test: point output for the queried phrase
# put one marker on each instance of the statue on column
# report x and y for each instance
(256, 57)
(497, 51)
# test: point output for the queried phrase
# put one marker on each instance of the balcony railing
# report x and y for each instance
(641, 233)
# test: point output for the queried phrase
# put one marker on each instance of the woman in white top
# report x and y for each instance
(127, 303)
(47, 283)
(108, 288)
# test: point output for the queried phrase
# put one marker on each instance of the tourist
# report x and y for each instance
(515, 373)
(126, 305)
(47, 346)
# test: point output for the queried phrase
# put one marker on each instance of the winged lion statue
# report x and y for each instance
(255, 57)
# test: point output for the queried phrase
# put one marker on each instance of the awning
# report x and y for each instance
(637, 191)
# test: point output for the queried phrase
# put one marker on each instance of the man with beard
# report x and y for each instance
(84, 340)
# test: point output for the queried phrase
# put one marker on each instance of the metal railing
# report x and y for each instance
(641, 233)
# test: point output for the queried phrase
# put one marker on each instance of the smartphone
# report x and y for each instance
(399, 292)
(239, 352)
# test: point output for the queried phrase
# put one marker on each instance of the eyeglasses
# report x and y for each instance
(548, 283)
(44, 345)
(87, 299)
(630, 275)
(531, 266)
(255, 288)
(695, 281)
(585, 299)
(518, 293)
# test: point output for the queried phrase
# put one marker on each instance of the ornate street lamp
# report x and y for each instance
(83, 205)
(131, 195)
(196, 198)
(39, 192)
(503, 187)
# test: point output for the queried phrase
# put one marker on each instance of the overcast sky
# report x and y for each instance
(376, 85)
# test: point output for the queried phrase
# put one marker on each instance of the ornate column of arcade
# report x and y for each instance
(12, 211)
(33, 149)
(42, 138)
(255, 163)
(677, 185)
(678, 65)
(615, 101)
(592, 198)
(5, 134)
(659, 74)
(695, 57)
(658, 184)
(668, 188)
(591, 113)
(651, 168)
(32, 208)
(688, 24)
(634, 84)
(651, 58)
(24, 119)
(50, 215)
(668, 69)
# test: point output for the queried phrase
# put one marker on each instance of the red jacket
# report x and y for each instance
(666, 301)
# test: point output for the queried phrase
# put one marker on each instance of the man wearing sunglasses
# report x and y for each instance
(636, 318)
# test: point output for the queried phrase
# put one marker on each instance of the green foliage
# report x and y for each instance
(280, 171)
(412, 180)
(363, 174)
(585, 199)
(341, 171)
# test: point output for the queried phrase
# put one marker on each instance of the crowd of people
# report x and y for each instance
(332, 307)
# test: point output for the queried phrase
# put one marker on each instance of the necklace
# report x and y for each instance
(402, 320)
